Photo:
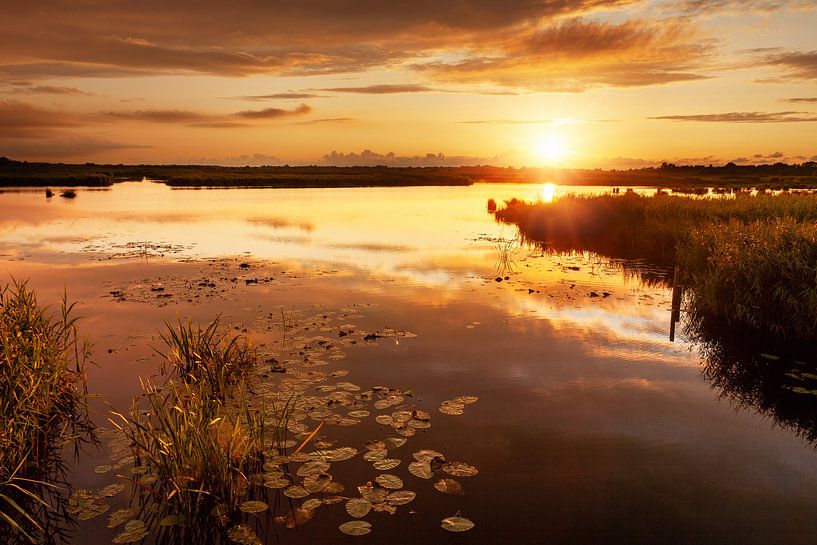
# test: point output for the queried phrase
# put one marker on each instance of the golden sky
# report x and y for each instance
(576, 83)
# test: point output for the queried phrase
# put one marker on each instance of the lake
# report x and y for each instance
(590, 425)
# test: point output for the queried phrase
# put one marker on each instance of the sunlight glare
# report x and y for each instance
(551, 150)
(548, 192)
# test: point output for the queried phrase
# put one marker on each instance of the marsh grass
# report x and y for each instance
(207, 355)
(749, 260)
(42, 404)
(201, 435)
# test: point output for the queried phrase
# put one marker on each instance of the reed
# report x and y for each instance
(42, 402)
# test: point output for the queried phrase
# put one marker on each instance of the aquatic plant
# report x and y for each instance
(42, 403)
(209, 356)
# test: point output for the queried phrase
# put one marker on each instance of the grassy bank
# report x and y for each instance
(42, 405)
(751, 260)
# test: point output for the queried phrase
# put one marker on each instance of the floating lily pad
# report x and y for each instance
(401, 497)
(375, 455)
(312, 504)
(373, 492)
(316, 483)
(394, 442)
(459, 469)
(449, 486)
(384, 419)
(456, 524)
(243, 534)
(170, 520)
(120, 517)
(466, 400)
(296, 491)
(103, 469)
(389, 481)
(313, 468)
(386, 464)
(355, 528)
(358, 507)
(421, 470)
(426, 455)
(253, 506)
(359, 414)
(133, 531)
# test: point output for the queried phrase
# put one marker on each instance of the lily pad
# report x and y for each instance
(459, 469)
(313, 468)
(296, 491)
(394, 442)
(401, 497)
(421, 470)
(133, 531)
(355, 528)
(243, 534)
(312, 504)
(456, 524)
(358, 507)
(449, 486)
(389, 481)
(253, 506)
(386, 464)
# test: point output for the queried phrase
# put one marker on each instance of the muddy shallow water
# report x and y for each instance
(590, 427)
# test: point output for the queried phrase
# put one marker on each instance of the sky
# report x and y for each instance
(567, 83)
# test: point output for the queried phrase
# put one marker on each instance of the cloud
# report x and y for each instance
(279, 96)
(25, 87)
(57, 38)
(508, 122)
(745, 117)
(154, 116)
(218, 125)
(741, 6)
(795, 65)
(24, 120)
(810, 100)
(252, 160)
(382, 89)
(274, 113)
(62, 147)
(578, 54)
(327, 121)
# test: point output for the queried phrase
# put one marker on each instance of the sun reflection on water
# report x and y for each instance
(548, 192)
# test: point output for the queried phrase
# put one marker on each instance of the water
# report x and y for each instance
(591, 427)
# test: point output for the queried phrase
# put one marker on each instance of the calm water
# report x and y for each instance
(591, 427)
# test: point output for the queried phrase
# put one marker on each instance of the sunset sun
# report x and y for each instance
(551, 150)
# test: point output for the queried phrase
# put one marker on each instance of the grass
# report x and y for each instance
(749, 260)
(200, 434)
(207, 355)
(42, 402)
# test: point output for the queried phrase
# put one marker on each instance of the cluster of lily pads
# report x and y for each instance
(299, 460)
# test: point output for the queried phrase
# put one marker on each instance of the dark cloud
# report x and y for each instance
(382, 89)
(741, 6)
(108, 38)
(62, 147)
(23, 120)
(745, 117)
(274, 113)
(801, 100)
(795, 65)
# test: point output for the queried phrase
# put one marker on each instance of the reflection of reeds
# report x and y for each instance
(505, 259)
(749, 260)
(42, 406)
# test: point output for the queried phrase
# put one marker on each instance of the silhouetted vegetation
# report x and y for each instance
(724, 179)
(750, 260)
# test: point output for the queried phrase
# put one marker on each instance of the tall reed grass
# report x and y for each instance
(42, 402)
(749, 261)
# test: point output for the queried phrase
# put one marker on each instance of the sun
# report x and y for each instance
(551, 150)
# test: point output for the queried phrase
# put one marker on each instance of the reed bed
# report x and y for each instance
(42, 402)
(750, 260)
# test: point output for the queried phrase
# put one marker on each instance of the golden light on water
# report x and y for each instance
(548, 192)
